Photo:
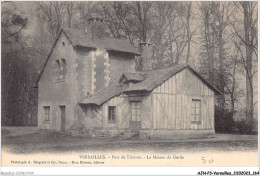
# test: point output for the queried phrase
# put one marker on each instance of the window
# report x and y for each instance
(136, 111)
(63, 68)
(196, 112)
(58, 69)
(111, 114)
(47, 113)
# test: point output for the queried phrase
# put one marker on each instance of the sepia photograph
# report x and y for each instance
(129, 83)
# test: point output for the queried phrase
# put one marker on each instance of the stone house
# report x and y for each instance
(90, 81)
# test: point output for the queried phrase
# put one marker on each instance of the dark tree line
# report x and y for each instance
(17, 71)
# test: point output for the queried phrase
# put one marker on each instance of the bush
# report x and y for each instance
(243, 127)
(224, 122)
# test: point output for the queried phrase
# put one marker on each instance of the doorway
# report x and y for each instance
(63, 117)
(135, 123)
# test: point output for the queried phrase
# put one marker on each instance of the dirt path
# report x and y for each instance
(30, 140)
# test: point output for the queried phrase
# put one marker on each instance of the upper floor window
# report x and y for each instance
(61, 69)
(58, 68)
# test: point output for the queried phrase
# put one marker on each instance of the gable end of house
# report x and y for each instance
(51, 51)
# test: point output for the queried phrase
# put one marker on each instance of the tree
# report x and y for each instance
(208, 48)
(53, 13)
(248, 36)
(172, 32)
(142, 12)
(12, 23)
(232, 86)
(71, 11)
(160, 36)
(181, 33)
(17, 70)
(131, 20)
(188, 17)
(120, 20)
(216, 18)
(160, 23)
(221, 13)
(82, 12)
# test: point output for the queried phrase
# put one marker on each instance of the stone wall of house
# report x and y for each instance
(84, 71)
(54, 91)
(101, 69)
(145, 61)
(87, 70)
(120, 63)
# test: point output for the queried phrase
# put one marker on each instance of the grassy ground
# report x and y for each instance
(30, 140)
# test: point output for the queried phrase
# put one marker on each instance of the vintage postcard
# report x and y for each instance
(135, 84)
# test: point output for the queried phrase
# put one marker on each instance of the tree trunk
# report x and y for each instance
(69, 21)
(209, 46)
(188, 31)
(249, 54)
(221, 71)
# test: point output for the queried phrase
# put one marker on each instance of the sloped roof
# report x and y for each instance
(79, 38)
(137, 77)
(157, 77)
(105, 94)
(115, 44)
(150, 80)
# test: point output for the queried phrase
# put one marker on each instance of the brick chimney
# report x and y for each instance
(145, 60)
(95, 27)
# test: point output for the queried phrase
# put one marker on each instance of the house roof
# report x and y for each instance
(136, 77)
(79, 38)
(115, 44)
(154, 78)
(105, 94)
(148, 80)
